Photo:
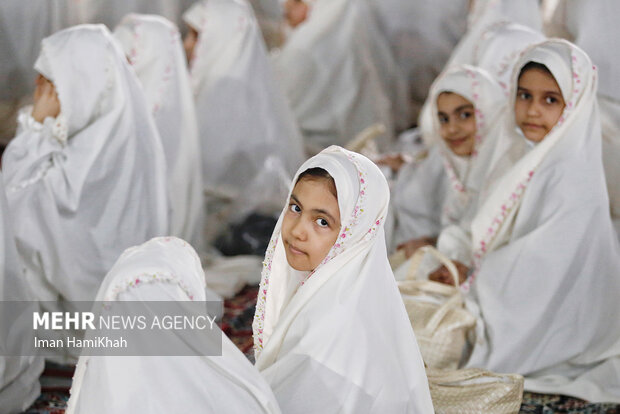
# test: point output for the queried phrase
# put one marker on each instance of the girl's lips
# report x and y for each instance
(457, 142)
(532, 126)
(294, 250)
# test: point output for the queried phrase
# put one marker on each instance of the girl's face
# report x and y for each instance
(457, 122)
(189, 43)
(539, 104)
(295, 12)
(311, 224)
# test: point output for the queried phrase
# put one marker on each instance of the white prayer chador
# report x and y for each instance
(546, 254)
(243, 116)
(153, 46)
(593, 26)
(500, 46)
(111, 12)
(88, 184)
(334, 95)
(392, 77)
(418, 197)
(487, 13)
(19, 375)
(422, 35)
(525, 12)
(338, 339)
(168, 269)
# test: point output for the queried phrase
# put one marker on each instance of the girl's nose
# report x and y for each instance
(452, 127)
(533, 109)
(299, 230)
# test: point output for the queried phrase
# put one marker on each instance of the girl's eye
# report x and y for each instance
(465, 115)
(443, 119)
(523, 96)
(550, 100)
(322, 222)
(295, 208)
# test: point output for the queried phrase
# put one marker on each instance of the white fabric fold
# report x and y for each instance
(153, 47)
(19, 375)
(593, 26)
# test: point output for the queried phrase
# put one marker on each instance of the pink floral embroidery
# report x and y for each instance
(148, 278)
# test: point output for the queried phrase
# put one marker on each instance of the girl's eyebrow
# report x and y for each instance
(296, 200)
(546, 92)
(316, 210)
(321, 211)
(462, 107)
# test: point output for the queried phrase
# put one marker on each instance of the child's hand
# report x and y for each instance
(46, 101)
(442, 275)
(412, 245)
(394, 161)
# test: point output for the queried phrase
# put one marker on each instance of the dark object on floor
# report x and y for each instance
(551, 404)
(251, 236)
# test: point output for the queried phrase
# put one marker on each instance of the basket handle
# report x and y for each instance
(454, 302)
(416, 260)
(365, 136)
(468, 374)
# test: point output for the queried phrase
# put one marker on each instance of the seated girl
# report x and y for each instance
(468, 105)
(335, 96)
(330, 331)
(545, 255)
(86, 174)
(243, 116)
(153, 47)
(223, 383)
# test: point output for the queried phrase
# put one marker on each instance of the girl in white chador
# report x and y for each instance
(467, 104)
(166, 269)
(329, 75)
(545, 255)
(330, 331)
(242, 114)
(154, 49)
(593, 26)
(19, 375)
(86, 174)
